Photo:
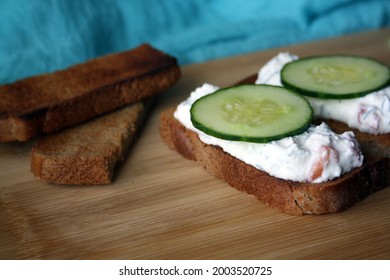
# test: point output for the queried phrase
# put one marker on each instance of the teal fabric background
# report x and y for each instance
(38, 36)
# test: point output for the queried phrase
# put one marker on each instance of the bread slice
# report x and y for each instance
(50, 102)
(289, 197)
(88, 153)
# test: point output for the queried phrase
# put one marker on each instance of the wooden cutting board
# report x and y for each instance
(162, 206)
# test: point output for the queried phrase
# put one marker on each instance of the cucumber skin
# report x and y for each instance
(324, 95)
(262, 140)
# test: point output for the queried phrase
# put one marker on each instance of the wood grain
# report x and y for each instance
(161, 206)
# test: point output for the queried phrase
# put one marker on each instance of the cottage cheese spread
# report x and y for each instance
(370, 113)
(316, 155)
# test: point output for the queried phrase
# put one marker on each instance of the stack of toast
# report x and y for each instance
(85, 117)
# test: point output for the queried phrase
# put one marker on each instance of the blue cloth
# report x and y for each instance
(40, 36)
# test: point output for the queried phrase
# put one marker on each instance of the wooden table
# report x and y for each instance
(162, 206)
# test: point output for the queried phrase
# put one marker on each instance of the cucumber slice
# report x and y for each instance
(335, 76)
(252, 113)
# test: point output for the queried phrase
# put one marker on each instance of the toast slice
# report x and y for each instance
(50, 102)
(287, 196)
(88, 153)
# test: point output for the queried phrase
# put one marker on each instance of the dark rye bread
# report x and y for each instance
(289, 197)
(50, 102)
(88, 153)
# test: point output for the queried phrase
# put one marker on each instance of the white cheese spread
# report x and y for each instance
(316, 155)
(369, 113)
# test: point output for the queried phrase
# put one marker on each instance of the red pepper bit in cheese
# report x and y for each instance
(325, 154)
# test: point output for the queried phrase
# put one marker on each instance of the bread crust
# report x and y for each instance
(287, 196)
(88, 153)
(51, 102)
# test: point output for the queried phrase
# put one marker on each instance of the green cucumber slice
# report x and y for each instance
(252, 113)
(335, 76)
